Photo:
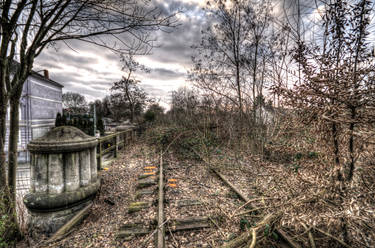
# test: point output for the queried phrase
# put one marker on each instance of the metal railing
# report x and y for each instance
(113, 142)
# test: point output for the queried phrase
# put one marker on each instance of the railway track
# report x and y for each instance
(170, 211)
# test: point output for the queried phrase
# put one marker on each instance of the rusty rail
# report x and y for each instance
(161, 228)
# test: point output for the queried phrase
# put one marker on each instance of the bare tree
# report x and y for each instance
(74, 103)
(127, 95)
(127, 90)
(337, 93)
(184, 104)
(259, 23)
(219, 65)
(29, 26)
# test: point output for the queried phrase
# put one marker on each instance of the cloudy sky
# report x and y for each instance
(91, 70)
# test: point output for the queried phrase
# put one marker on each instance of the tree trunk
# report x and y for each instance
(12, 160)
(7, 200)
(336, 150)
(3, 111)
(8, 210)
(13, 145)
(132, 110)
(351, 145)
(254, 77)
(239, 88)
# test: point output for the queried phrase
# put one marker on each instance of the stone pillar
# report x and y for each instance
(93, 166)
(63, 177)
(55, 174)
(84, 167)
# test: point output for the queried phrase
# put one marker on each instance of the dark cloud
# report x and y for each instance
(176, 47)
(91, 70)
(168, 7)
(163, 74)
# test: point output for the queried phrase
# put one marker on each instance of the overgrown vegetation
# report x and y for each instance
(286, 111)
(271, 101)
(6, 224)
(184, 142)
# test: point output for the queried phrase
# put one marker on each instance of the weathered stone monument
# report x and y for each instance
(64, 177)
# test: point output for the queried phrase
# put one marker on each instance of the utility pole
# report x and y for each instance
(94, 118)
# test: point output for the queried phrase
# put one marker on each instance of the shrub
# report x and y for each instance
(149, 116)
(6, 224)
(59, 120)
(186, 143)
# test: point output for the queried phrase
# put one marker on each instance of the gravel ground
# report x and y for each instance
(193, 182)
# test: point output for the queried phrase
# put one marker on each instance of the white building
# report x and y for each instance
(40, 102)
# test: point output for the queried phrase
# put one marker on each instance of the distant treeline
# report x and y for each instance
(84, 122)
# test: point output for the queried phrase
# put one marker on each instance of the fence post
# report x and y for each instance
(116, 145)
(99, 162)
(124, 137)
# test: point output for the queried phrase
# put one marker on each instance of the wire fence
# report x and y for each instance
(23, 179)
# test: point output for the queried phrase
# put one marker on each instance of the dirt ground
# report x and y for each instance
(119, 180)
(270, 186)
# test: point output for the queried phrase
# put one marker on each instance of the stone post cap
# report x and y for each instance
(62, 139)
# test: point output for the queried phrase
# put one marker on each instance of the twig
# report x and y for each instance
(303, 233)
(311, 238)
(333, 237)
(227, 215)
(253, 200)
(288, 239)
(254, 239)
(259, 208)
(153, 232)
(218, 227)
(243, 197)
(174, 240)
(178, 136)
(244, 237)
(248, 211)
(214, 222)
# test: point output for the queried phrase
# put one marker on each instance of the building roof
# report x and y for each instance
(40, 76)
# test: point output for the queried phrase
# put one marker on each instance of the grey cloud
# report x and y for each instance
(163, 74)
(152, 90)
(66, 77)
(176, 47)
(52, 59)
(173, 48)
(171, 6)
(85, 90)
(158, 92)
